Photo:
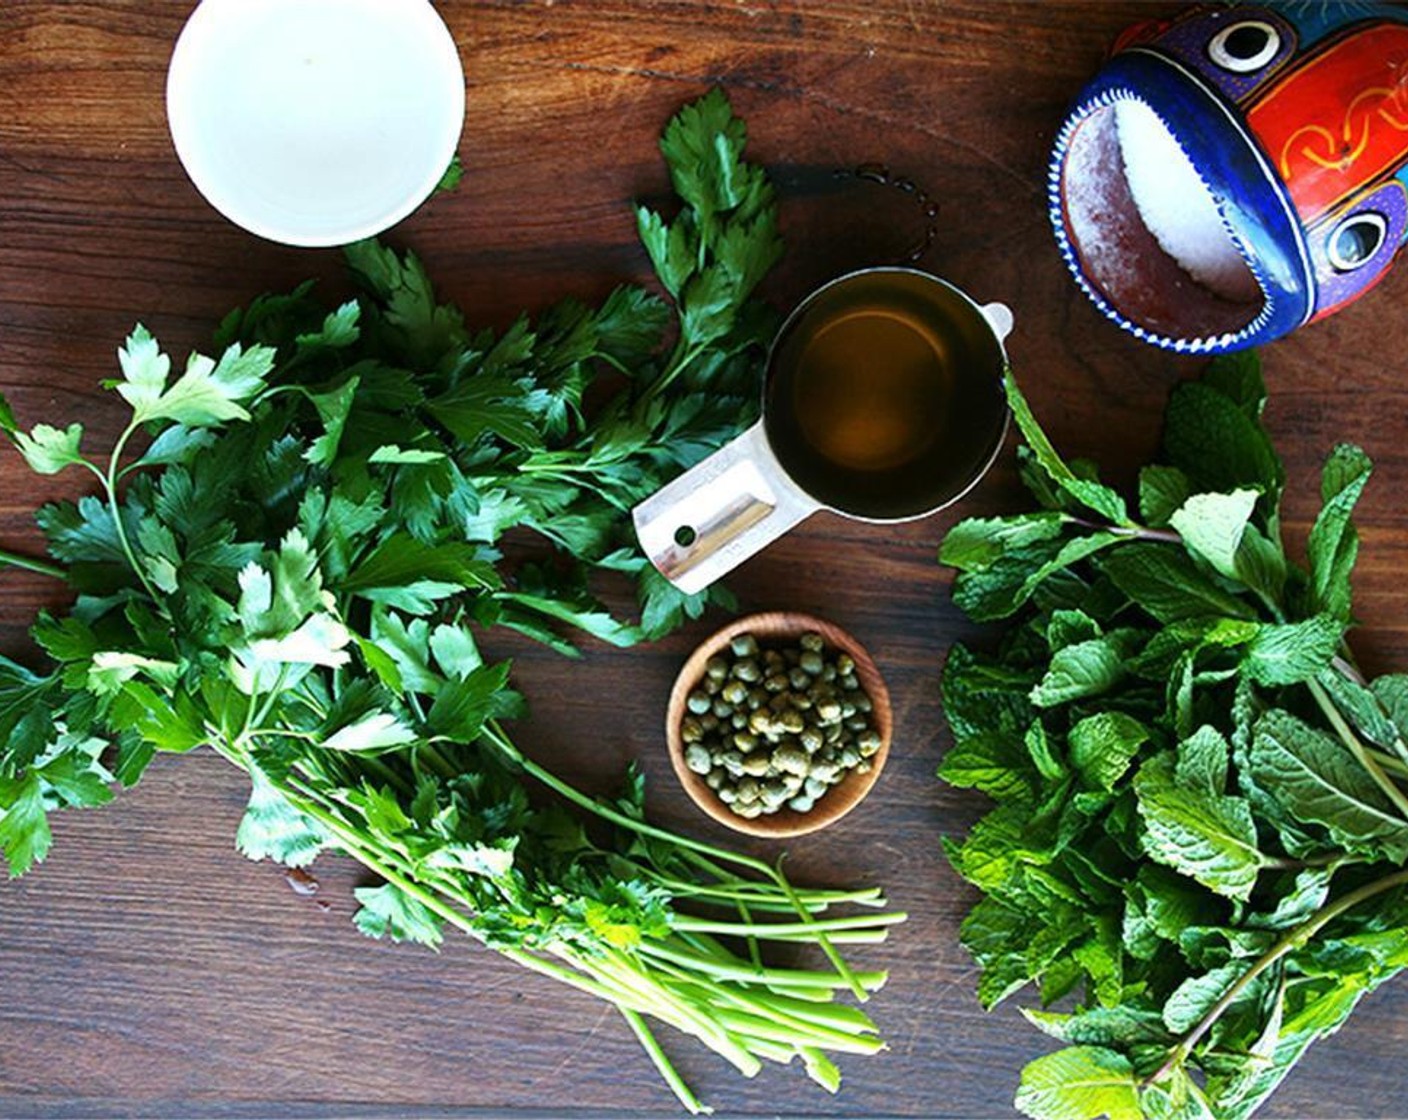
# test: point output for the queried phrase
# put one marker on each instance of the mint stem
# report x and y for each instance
(1290, 942)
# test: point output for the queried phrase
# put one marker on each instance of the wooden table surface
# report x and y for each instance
(146, 968)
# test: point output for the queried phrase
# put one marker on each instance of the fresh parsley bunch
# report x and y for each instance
(1202, 805)
(291, 553)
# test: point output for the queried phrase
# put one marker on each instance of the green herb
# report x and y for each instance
(296, 569)
(1201, 818)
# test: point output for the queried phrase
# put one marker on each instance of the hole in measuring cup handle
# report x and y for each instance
(718, 513)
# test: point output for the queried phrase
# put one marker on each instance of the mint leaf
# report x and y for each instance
(1211, 525)
(1162, 490)
(1218, 445)
(1083, 670)
(1207, 837)
(1104, 501)
(1333, 545)
(1164, 582)
(1293, 652)
(1079, 1083)
(1104, 744)
(1319, 782)
(974, 543)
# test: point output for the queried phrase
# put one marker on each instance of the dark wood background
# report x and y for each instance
(147, 968)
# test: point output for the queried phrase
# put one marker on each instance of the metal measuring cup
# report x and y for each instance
(746, 495)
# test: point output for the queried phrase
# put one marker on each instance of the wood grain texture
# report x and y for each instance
(147, 969)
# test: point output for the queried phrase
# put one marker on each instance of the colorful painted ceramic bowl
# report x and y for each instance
(1238, 171)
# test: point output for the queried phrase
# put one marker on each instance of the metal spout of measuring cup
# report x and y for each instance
(739, 500)
(720, 512)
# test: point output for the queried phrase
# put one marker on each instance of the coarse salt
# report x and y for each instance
(1176, 205)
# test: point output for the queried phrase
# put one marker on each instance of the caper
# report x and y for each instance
(732, 761)
(698, 702)
(792, 722)
(774, 794)
(738, 721)
(801, 803)
(828, 674)
(826, 772)
(760, 721)
(856, 723)
(868, 742)
(745, 741)
(774, 660)
(802, 701)
(710, 686)
(743, 645)
(747, 789)
(721, 708)
(863, 704)
(716, 668)
(864, 766)
(832, 733)
(727, 794)
(828, 711)
(755, 764)
(849, 682)
(747, 671)
(709, 722)
(811, 739)
(757, 697)
(812, 642)
(748, 809)
(849, 757)
(798, 678)
(697, 759)
(735, 692)
(814, 786)
(776, 683)
(792, 759)
(845, 665)
(690, 730)
(811, 663)
(714, 779)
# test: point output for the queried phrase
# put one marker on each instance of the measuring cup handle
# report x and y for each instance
(719, 512)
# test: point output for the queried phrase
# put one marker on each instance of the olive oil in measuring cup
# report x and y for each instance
(873, 403)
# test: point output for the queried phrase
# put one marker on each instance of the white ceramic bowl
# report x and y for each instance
(315, 122)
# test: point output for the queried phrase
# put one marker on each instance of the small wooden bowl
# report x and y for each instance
(772, 627)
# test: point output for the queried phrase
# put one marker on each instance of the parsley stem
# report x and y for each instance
(695, 848)
(663, 1065)
(30, 564)
(723, 970)
(495, 735)
(1290, 942)
(685, 923)
(110, 485)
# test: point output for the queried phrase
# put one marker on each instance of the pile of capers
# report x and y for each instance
(776, 728)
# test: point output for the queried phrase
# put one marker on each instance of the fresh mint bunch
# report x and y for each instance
(290, 556)
(1201, 820)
